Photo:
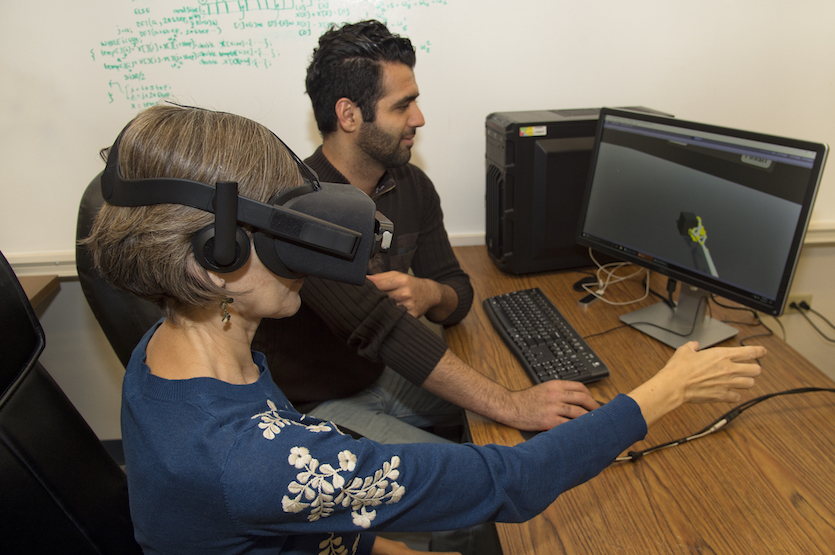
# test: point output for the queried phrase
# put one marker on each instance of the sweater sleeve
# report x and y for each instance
(368, 321)
(434, 258)
(299, 477)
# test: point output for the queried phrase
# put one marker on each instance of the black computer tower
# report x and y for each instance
(537, 163)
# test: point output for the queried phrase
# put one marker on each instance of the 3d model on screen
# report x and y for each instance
(691, 225)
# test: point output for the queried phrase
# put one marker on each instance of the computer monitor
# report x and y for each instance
(720, 210)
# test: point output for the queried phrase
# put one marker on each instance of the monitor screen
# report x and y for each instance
(718, 209)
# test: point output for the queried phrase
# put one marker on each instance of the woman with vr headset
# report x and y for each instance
(218, 461)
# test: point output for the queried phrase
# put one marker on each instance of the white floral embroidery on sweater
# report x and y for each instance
(321, 487)
(272, 422)
(332, 545)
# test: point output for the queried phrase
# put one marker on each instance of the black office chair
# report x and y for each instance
(123, 317)
(61, 491)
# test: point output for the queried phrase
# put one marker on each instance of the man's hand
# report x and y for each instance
(418, 296)
(535, 409)
(548, 404)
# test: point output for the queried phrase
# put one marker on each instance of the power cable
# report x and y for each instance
(803, 307)
(718, 424)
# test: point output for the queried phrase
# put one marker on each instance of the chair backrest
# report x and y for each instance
(123, 317)
(61, 490)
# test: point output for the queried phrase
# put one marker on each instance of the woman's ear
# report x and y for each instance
(216, 279)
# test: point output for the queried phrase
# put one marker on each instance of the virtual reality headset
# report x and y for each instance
(327, 230)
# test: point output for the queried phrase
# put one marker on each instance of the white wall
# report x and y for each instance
(74, 74)
(814, 277)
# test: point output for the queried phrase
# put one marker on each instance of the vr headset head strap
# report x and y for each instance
(282, 223)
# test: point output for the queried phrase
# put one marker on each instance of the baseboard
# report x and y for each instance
(63, 263)
(43, 263)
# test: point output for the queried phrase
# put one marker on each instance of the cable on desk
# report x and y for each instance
(803, 308)
(718, 424)
(606, 276)
(607, 331)
(757, 321)
(768, 333)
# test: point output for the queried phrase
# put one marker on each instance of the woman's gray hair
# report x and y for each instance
(147, 250)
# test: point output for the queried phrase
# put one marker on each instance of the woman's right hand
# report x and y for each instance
(694, 376)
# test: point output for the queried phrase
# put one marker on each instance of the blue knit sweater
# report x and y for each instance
(219, 468)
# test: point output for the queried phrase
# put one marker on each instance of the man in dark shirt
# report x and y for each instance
(357, 354)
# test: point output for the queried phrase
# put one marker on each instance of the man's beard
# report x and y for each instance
(383, 147)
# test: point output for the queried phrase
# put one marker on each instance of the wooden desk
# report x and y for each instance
(38, 288)
(764, 484)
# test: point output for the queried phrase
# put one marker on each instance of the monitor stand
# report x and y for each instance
(675, 327)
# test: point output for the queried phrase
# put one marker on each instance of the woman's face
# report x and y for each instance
(258, 293)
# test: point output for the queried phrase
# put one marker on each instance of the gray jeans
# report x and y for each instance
(392, 410)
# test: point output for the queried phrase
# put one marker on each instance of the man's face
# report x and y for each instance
(389, 139)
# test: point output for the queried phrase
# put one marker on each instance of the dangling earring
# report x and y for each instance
(224, 302)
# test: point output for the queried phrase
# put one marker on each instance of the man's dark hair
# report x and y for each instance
(348, 63)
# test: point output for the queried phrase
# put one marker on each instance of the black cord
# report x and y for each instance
(719, 423)
(816, 328)
(769, 334)
(757, 321)
(731, 307)
(666, 300)
(607, 331)
(803, 308)
(671, 287)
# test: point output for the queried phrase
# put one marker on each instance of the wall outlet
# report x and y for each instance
(797, 299)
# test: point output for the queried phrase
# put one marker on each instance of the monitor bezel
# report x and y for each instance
(686, 275)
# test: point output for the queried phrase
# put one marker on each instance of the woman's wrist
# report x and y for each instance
(657, 396)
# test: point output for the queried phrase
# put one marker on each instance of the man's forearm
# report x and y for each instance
(537, 408)
(457, 382)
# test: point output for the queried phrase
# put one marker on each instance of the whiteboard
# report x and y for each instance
(74, 73)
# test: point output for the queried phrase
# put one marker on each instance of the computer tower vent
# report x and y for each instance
(577, 113)
(495, 209)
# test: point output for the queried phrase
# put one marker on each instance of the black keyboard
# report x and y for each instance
(542, 339)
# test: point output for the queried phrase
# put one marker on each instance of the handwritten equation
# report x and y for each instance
(154, 41)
